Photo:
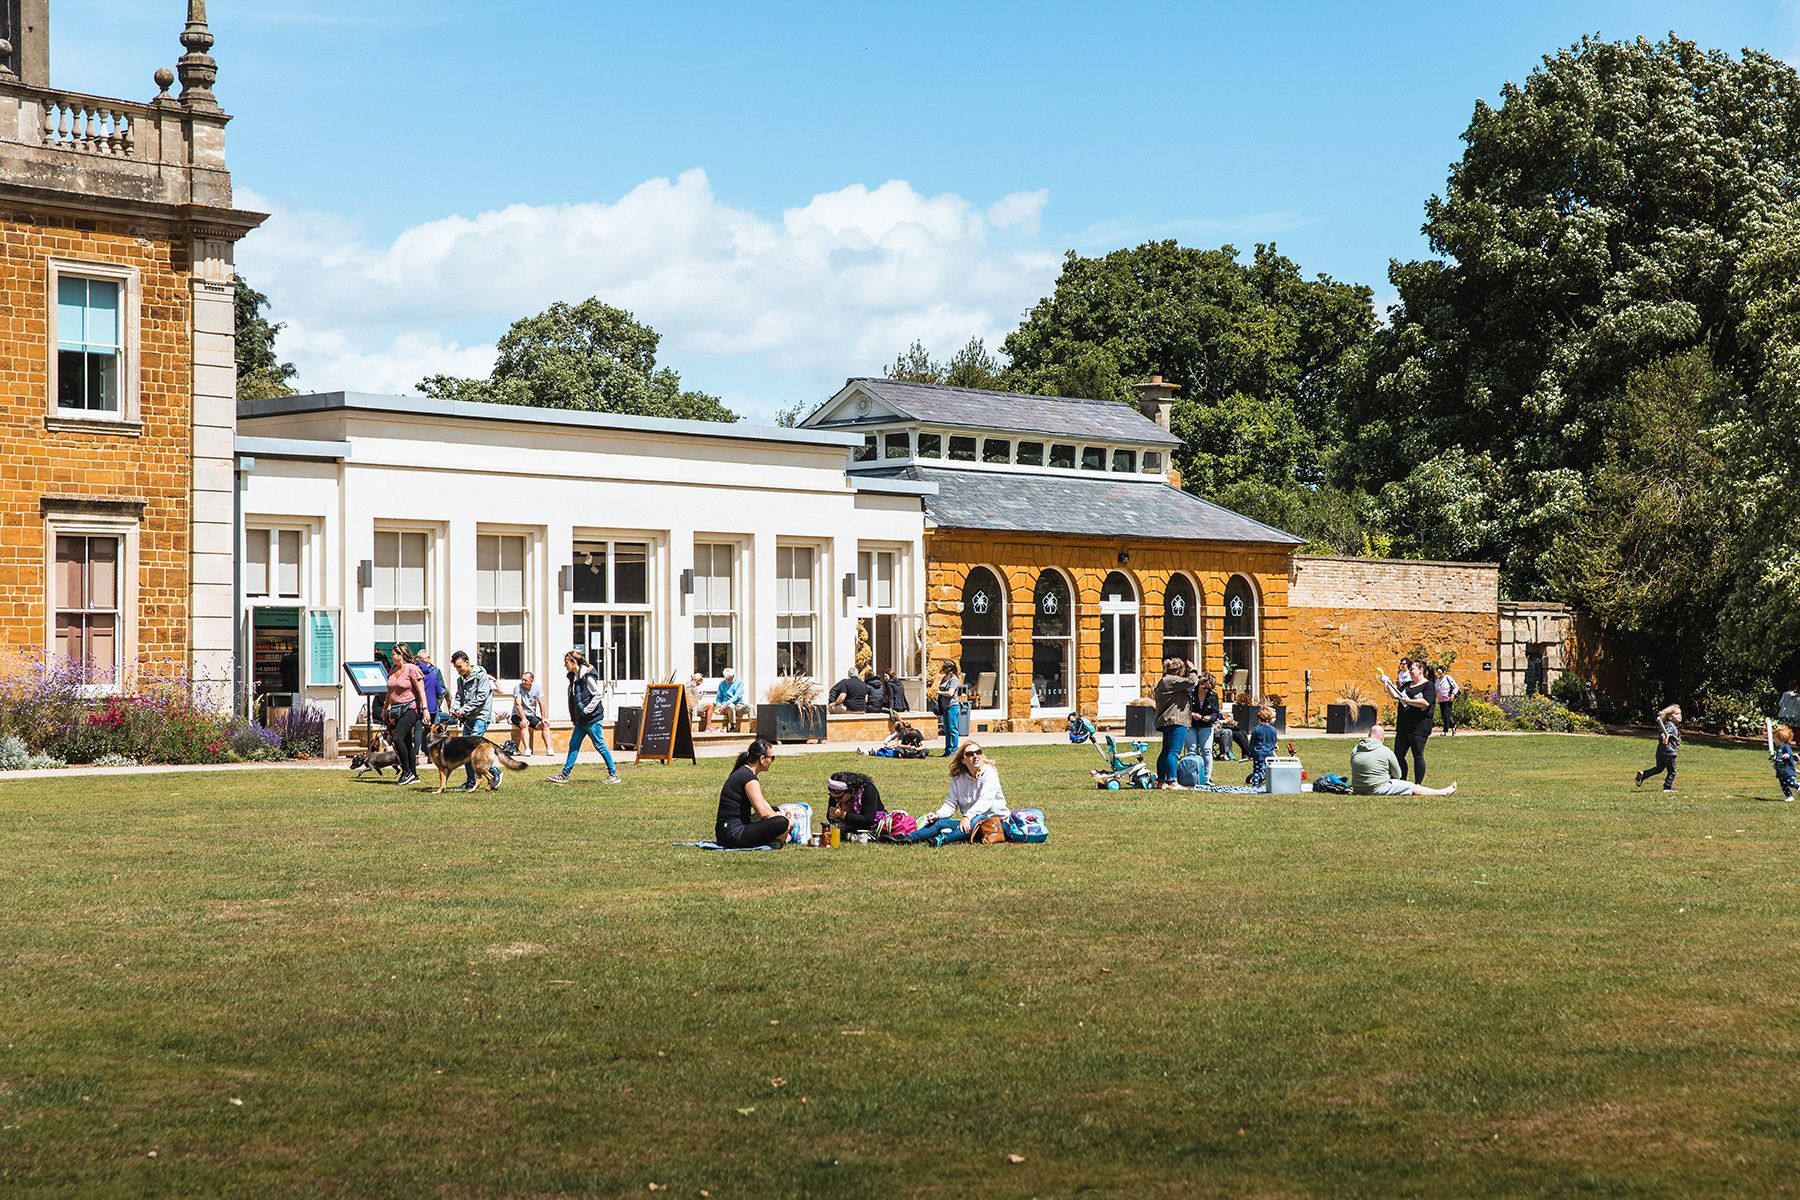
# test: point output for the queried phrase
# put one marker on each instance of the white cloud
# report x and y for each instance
(766, 312)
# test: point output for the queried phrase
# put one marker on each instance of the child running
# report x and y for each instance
(1784, 760)
(1668, 745)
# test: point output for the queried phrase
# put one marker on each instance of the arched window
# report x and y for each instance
(983, 638)
(1052, 643)
(1181, 620)
(1119, 681)
(1242, 662)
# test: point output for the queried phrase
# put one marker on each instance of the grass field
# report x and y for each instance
(288, 983)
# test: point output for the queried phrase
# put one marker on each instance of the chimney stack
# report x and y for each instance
(1156, 399)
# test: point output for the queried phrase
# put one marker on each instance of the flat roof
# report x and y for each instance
(463, 410)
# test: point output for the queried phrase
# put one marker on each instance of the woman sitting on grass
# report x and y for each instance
(974, 796)
(852, 801)
(745, 818)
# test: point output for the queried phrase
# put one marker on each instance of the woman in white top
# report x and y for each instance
(974, 796)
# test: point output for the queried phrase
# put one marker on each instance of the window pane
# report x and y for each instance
(70, 646)
(1062, 456)
(631, 573)
(412, 569)
(1125, 460)
(487, 563)
(867, 452)
(1109, 624)
(1152, 463)
(865, 574)
(71, 313)
(288, 570)
(1240, 609)
(1031, 454)
(510, 587)
(71, 379)
(103, 573)
(981, 605)
(102, 316)
(590, 575)
(1181, 612)
(103, 382)
(1053, 609)
(71, 572)
(409, 627)
(896, 445)
(996, 450)
(884, 580)
(256, 562)
(962, 449)
(931, 445)
(1093, 458)
(102, 648)
(1050, 674)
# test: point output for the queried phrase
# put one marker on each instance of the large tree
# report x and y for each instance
(1257, 349)
(1592, 228)
(974, 366)
(260, 371)
(588, 356)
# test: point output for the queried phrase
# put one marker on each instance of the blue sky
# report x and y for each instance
(792, 192)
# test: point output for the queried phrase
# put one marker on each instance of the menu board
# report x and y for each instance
(665, 734)
(321, 647)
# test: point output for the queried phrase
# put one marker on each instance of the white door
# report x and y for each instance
(1120, 682)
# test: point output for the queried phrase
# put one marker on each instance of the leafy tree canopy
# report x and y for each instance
(589, 356)
(260, 372)
(1257, 349)
(972, 367)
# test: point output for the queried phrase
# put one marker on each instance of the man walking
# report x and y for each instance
(434, 698)
(474, 692)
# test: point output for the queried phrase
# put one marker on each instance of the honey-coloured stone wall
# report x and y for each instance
(153, 467)
(1350, 617)
(1018, 559)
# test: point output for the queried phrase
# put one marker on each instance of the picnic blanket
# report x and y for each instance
(726, 849)
(1234, 789)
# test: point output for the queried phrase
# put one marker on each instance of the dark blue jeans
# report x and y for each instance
(940, 832)
(1174, 742)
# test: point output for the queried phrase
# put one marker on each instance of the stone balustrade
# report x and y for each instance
(91, 124)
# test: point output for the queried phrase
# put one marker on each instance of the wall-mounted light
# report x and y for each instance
(687, 582)
(565, 579)
(1124, 558)
(365, 573)
(850, 585)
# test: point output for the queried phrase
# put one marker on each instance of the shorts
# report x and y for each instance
(531, 722)
(1393, 787)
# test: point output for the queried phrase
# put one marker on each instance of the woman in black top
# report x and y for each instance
(852, 801)
(745, 818)
(1416, 698)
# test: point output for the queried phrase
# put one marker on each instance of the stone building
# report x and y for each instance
(117, 379)
(1063, 562)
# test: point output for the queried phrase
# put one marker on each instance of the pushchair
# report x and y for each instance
(1124, 768)
(1080, 729)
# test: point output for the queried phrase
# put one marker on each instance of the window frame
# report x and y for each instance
(491, 619)
(128, 418)
(425, 607)
(785, 615)
(125, 640)
(1066, 641)
(613, 610)
(733, 642)
(274, 532)
(998, 640)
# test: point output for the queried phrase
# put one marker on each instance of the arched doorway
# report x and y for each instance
(1119, 680)
(1243, 665)
(1052, 644)
(1181, 620)
(983, 639)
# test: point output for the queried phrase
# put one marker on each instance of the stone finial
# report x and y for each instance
(198, 69)
(165, 79)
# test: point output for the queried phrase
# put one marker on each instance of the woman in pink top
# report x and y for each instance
(406, 701)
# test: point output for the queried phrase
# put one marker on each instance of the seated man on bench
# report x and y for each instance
(727, 703)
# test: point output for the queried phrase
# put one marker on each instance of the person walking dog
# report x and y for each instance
(474, 693)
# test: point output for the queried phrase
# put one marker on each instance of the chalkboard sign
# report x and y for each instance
(665, 734)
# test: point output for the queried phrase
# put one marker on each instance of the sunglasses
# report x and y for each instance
(973, 753)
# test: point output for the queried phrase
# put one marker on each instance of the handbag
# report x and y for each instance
(989, 832)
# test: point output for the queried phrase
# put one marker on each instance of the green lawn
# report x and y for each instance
(1549, 984)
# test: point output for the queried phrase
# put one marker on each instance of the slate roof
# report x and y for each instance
(1054, 416)
(1102, 506)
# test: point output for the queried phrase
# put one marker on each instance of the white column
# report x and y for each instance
(212, 601)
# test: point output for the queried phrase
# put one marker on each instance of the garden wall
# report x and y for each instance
(1349, 617)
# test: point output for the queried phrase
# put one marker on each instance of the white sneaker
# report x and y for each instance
(559, 777)
(614, 779)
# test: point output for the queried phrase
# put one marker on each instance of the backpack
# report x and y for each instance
(892, 826)
(1337, 785)
(510, 749)
(799, 815)
(1189, 770)
(1026, 825)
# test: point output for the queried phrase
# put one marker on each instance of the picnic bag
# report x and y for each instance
(892, 826)
(799, 815)
(1026, 825)
(1337, 785)
(989, 832)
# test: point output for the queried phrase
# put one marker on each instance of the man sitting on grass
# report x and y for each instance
(1374, 771)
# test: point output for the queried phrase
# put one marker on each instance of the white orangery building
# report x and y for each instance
(660, 547)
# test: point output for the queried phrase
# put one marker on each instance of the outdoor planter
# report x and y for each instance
(1337, 718)
(1140, 720)
(1246, 716)
(790, 722)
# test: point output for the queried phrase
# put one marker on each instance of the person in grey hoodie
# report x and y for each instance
(1374, 771)
(474, 692)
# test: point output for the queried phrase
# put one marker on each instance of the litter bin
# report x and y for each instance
(626, 726)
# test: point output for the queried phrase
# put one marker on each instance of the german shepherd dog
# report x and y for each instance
(449, 750)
